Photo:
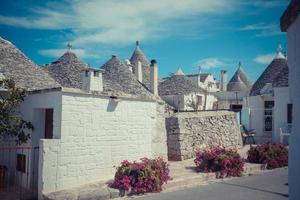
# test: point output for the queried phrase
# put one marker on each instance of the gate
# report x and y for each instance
(18, 171)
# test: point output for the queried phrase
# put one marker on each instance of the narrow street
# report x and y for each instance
(268, 186)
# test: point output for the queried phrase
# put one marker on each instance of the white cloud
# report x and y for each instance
(263, 29)
(268, 3)
(56, 53)
(264, 59)
(259, 26)
(118, 21)
(208, 63)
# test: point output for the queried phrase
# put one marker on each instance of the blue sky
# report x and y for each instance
(215, 34)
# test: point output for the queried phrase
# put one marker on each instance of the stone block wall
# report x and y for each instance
(98, 133)
(190, 131)
(159, 136)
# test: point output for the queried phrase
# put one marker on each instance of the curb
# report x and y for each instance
(206, 178)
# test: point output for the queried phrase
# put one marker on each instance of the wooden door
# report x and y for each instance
(49, 123)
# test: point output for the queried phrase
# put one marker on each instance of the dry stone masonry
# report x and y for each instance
(190, 131)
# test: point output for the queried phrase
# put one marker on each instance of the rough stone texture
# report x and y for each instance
(178, 85)
(188, 132)
(138, 55)
(27, 75)
(67, 70)
(117, 77)
(239, 81)
(276, 74)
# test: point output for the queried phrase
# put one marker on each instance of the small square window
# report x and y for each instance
(21, 163)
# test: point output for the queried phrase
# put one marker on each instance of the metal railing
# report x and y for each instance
(18, 171)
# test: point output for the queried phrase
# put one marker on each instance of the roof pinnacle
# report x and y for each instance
(240, 64)
(69, 46)
(279, 52)
(279, 48)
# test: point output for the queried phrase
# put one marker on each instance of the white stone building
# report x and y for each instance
(86, 120)
(231, 94)
(205, 81)
(269, 106)
(183, 94)
(290, 23)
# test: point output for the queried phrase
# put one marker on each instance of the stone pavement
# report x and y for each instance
(183, 173)
(271, 185)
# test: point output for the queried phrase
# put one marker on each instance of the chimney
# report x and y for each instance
(223, 81)
(128, 64)
(138, 71)
(154, 77)
(92, 80)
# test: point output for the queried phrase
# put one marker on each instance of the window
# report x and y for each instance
(268, 115)
(289, 113)
(21, 163)
(49, 123)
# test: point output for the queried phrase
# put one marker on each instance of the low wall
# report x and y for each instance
(190, 131)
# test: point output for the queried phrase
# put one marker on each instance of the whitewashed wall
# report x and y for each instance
(225, 98)
(96, 135)
(176, 101)
(255, 106)
(281, 99)
(33, 110)
(293, 38)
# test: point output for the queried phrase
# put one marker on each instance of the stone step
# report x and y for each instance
(194, 178)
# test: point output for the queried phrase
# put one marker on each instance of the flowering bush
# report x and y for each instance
(227, 162)
(273, 155)
(147, 175)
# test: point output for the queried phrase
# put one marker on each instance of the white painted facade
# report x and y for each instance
(227, 98)
(91, 136)
(254, 107)
(293, 53)
(208, 84)
(281, 100)
(33, 110)
(253, 114)
(97, 133)
(184, 102)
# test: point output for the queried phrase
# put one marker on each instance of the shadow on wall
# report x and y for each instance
(112, 105)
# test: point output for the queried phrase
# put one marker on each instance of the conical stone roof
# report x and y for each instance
(239, 81)
(67, 70)
(276, 73)
(138, 55)
(178, 85)
(118, 77)
(26, 74)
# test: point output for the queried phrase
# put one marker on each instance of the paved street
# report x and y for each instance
(267, 186)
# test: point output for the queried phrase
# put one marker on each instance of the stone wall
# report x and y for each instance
(98, 133)
(189, 131)
(159, 137)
